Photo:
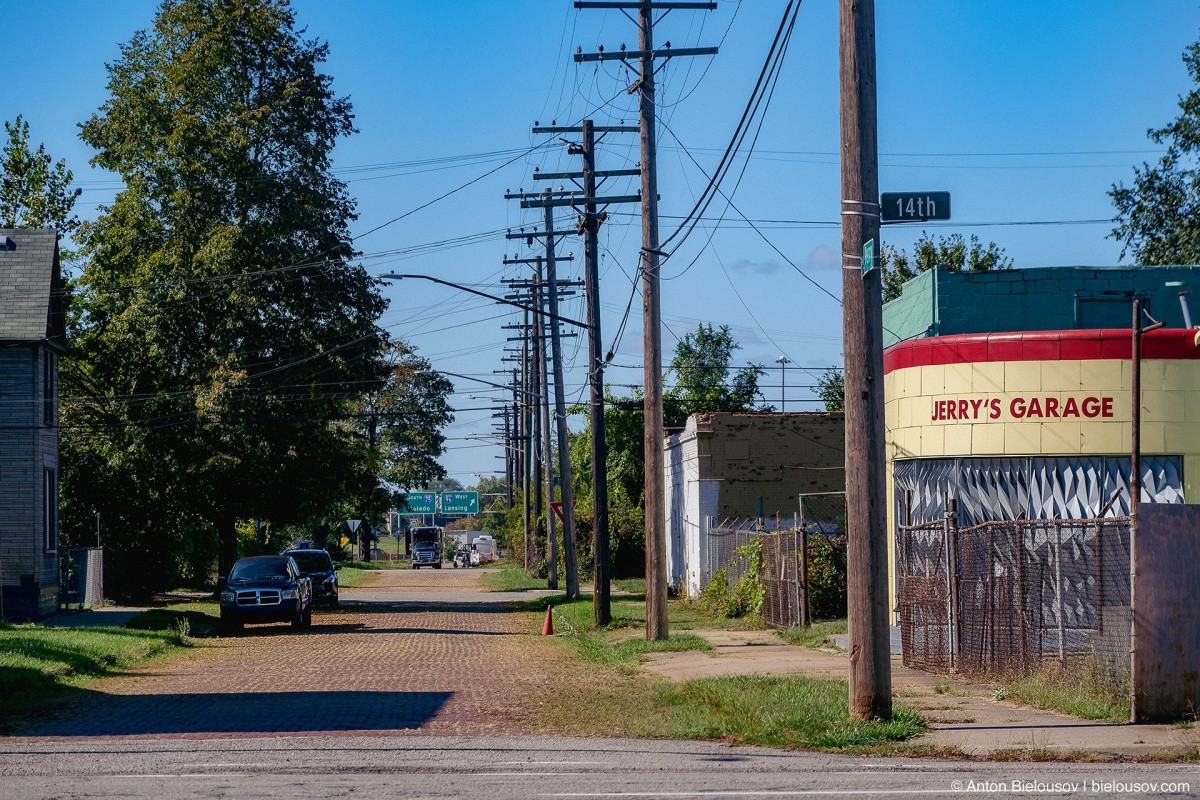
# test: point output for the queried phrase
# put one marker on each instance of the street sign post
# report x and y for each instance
(419, 503)
(460, 502)
(914, 206)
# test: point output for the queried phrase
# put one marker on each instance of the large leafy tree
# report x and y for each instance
(953, 252)
(222, 327)
(398, 429)
(831, 389)
(1158, 217)
(35, 190)
(704, 379)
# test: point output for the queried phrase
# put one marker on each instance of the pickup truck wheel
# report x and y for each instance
(437, 565)
(308, 618)
(298, 619)
(230, 627)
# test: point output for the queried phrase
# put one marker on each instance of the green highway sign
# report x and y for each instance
(460, 502)
(419, 503)
(914, 206)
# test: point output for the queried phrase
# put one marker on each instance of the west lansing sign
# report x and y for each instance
(460, 502)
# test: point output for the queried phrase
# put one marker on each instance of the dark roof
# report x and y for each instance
(31, 292)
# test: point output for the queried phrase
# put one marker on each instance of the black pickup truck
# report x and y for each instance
(265, 589)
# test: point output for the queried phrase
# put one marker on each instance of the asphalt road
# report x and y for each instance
(524, 768)
(383, 698)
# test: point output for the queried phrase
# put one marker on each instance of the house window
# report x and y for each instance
(50, 509)
(49, 384)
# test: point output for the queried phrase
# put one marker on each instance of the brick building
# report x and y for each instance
(31, 341)
(722, 463)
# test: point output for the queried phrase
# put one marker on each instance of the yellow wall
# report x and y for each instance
(1170, 414)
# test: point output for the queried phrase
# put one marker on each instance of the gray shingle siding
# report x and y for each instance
(30, 322)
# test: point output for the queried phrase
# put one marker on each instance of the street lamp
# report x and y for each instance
(391, 276)
(783, 361)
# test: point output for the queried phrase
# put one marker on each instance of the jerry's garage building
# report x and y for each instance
(1011, 392)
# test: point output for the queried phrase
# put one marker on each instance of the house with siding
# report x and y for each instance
(32, 338)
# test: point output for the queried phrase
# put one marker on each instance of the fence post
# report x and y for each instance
(952, 578)
(1058, 604)
(1021, 596)
(1099, 579)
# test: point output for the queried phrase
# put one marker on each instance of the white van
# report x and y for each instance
(483, 549)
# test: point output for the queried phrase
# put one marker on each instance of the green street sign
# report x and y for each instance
(868, 256)
(914, 206)
(460, 502)
(419, 503)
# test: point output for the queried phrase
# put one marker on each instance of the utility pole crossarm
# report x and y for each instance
(600, 173)
(625, 55)
(554, 202)
(577, 129)
(654, 4)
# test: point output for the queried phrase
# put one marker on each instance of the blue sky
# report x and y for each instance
(1027, 112)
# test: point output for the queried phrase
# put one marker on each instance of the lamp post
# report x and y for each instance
(783, 361)
(391, 276)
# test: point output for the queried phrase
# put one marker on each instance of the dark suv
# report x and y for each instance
(317, 566)
(265, 589)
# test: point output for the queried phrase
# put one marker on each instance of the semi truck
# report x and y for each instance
(427, 547)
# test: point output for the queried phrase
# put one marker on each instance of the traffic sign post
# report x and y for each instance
(914, 206)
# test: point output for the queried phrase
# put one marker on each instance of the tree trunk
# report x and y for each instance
(227, 543)
(364, 541)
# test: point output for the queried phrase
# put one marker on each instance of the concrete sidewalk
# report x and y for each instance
(962, 715)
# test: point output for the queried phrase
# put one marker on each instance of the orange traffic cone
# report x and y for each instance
(548, 625)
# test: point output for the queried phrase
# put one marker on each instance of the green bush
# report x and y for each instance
(827, 576)
(745, 598)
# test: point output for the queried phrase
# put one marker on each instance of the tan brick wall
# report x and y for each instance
(773, 456)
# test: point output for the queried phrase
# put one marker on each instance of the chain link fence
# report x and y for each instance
(81, 578)
(794, 583)
(1012, 597)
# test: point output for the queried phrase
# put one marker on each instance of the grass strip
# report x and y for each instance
(1066, 693)
(181, 618)
(36, 662)
(512, 579)
(818, 634)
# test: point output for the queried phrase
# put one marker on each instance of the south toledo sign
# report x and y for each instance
(1041, 408)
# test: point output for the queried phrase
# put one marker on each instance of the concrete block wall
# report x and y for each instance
(773, 456)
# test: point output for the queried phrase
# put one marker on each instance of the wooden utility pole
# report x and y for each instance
(539, 345)
(655, 490)
(590, 222)
(656, 528)
(566, 489)
(862, 331)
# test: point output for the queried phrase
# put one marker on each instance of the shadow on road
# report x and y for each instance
(235, 713)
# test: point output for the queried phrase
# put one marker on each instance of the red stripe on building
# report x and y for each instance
(1072, 345)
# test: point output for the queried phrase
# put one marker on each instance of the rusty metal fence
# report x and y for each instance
(1013, 597)
(786, 543)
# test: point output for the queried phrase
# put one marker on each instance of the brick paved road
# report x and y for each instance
(418, 652)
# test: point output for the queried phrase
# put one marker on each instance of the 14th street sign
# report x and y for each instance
(914, 206)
